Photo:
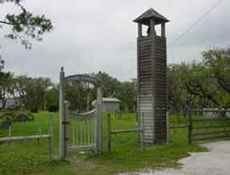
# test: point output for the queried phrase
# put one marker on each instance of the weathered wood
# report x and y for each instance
(99, 126)
(109, 133)
(211, 127)
(211, 138)
(66, 127)
(210, 133)
(139, 30)
(89, 129)
(61, 116)
(82, 78)
(218, 130)
(190, 126)
(152, 76)
(211, 120)
(179, 126)
(91, 147)
(125, 131)
(23, 138)
(50, 133)
(211, 110)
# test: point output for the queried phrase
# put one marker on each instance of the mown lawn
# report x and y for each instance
(32, 157)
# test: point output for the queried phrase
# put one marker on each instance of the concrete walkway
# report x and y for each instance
(214, 162)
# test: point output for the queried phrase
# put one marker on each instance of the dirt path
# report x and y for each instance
(214, 162)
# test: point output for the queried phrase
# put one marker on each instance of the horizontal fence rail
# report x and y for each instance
(212, 127)
(121, 131)
(23, 138)
(178, 126)
(210, 110)
(111, 132)
(201, 127)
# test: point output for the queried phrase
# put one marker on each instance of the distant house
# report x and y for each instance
(11, 103)
(109, 104)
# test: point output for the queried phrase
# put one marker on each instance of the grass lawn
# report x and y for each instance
(31, 157)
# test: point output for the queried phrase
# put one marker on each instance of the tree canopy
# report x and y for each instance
(203, 84)
(25, 25)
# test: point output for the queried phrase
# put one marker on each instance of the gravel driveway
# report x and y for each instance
(214, 162)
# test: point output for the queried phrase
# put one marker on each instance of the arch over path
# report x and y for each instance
(83, 78)
(63, 113)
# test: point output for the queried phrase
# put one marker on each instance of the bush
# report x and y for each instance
(17, 116)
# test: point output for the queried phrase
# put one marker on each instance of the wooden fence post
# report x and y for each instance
(66, 128)
(50, 133)
(190, 126)
(141, 130)
(168, 127)
(10, 131)
(139, 126)
(61, 115)
(99, 121)
(109, 133)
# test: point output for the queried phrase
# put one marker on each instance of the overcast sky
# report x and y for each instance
(93, 35)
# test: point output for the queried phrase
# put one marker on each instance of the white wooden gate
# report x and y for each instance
(83, 130)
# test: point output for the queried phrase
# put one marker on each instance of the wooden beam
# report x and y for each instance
(178, 126)
(99, 126)
(125, 131)
(23, 138)
(61, 115)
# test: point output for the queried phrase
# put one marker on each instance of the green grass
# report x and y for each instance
(32, 157)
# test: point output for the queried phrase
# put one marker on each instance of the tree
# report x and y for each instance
(51, 99)
(127, 95)
(32, 92)
(5, 87)
(110, 85)
(25, 25)
(177, 93)
(218, 63)
(204, 84)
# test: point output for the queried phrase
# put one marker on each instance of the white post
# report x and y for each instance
(99, 121)
(61, 116)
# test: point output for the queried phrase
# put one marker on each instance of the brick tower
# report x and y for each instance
(152, 77)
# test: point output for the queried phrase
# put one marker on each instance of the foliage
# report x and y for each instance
(124, 91)
(127, 95)
(51, 99)
(25, 25)
(80, 94)
(5, 86)
(16, 116)
(203, 85)
(32, 91)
